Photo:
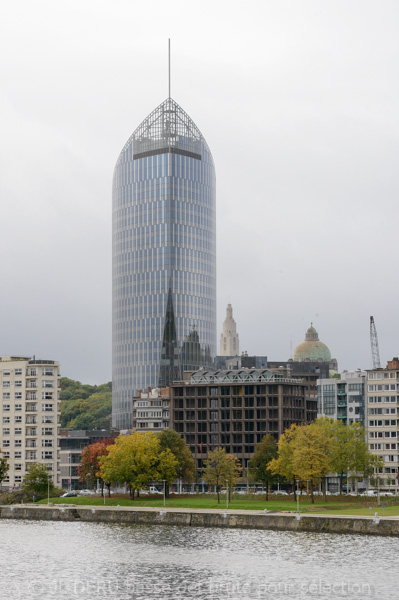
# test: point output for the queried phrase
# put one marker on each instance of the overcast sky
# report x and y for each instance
(299, 103)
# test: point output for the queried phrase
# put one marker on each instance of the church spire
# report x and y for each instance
(229, 340)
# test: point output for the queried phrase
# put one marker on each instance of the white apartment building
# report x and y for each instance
(30, 414)
(382, 420)
(151, 410)
(343, 398)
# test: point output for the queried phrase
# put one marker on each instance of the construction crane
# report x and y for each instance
(375, 353)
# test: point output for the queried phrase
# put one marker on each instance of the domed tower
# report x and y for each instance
(163, 256)
(313, 350)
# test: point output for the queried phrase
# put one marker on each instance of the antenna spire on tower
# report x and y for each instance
(169, 64)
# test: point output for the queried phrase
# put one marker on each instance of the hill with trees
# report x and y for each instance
(85, 406)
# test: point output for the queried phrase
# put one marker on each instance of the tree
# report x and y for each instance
(3, 468)
(349, 451)
(134, 459)
(37, 480)
(265, 451)
(283, 464)
(89, 468)
(311, 454)
(85, 406)
(167, 468)
(221, 467)
(170, 439)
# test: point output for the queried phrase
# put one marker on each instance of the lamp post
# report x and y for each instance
(164, 491)
(297, 495)
(227, 493)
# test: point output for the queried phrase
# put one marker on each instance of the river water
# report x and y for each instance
(59, 561)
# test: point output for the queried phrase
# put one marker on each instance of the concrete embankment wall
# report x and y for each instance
(198, 518)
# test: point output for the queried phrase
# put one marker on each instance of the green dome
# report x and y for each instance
(312, 350)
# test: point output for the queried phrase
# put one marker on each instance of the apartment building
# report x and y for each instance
(382, 421)
(151, 410)
(343, 398)
(30, 414)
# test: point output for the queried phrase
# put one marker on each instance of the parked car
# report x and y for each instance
(69, 495)
(280, 493)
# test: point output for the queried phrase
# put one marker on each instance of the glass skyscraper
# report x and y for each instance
(164, 257)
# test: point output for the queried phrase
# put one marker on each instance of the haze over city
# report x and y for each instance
(299, 105)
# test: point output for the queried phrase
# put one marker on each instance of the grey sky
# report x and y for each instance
(299, 103)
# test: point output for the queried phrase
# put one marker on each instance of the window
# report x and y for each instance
(47, 383)
(47, 455)
(6, 407)
(18, 431)
(6, 443)
(18, 371)
(6, 454)
(18, 395)
(48, 396)
(47, 419)
(47, 431)
(6, 395)
(18, 467)
(7, 373)
(6, 384)
(18, 407)
(18, 418)
(47, 371)
(47, 443)
(47, 407)
(18, 454)
(18, 443)
(6, 431)
(6, 419)
(18, 383)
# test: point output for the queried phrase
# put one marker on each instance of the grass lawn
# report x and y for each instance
(351, 506)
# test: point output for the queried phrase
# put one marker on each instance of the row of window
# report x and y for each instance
(383, 387)
(30, 408)
(31, 384)
(30, 372)
(380, 434)
(377, 399)
(383, 375)
(382, 411)
(385, 423)
(383, 446)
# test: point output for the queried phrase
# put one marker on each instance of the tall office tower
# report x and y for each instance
(164, 257)
(229, 340)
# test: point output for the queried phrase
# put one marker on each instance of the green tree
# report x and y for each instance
(85, 406)
(265, 451)
(311, 456)
(38, 480)
(220, 468)
(133, 459)
(170, 439)
(283, 464)
(3, 468)
(167, 468)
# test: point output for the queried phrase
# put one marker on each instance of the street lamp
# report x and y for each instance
(297, 495)
(164, 491)
(227, 493)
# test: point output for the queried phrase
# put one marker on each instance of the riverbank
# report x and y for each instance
(245, 519)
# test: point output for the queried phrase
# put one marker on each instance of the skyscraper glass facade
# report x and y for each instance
(164, 257)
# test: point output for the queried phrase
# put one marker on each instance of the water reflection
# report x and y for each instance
(82, 560)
